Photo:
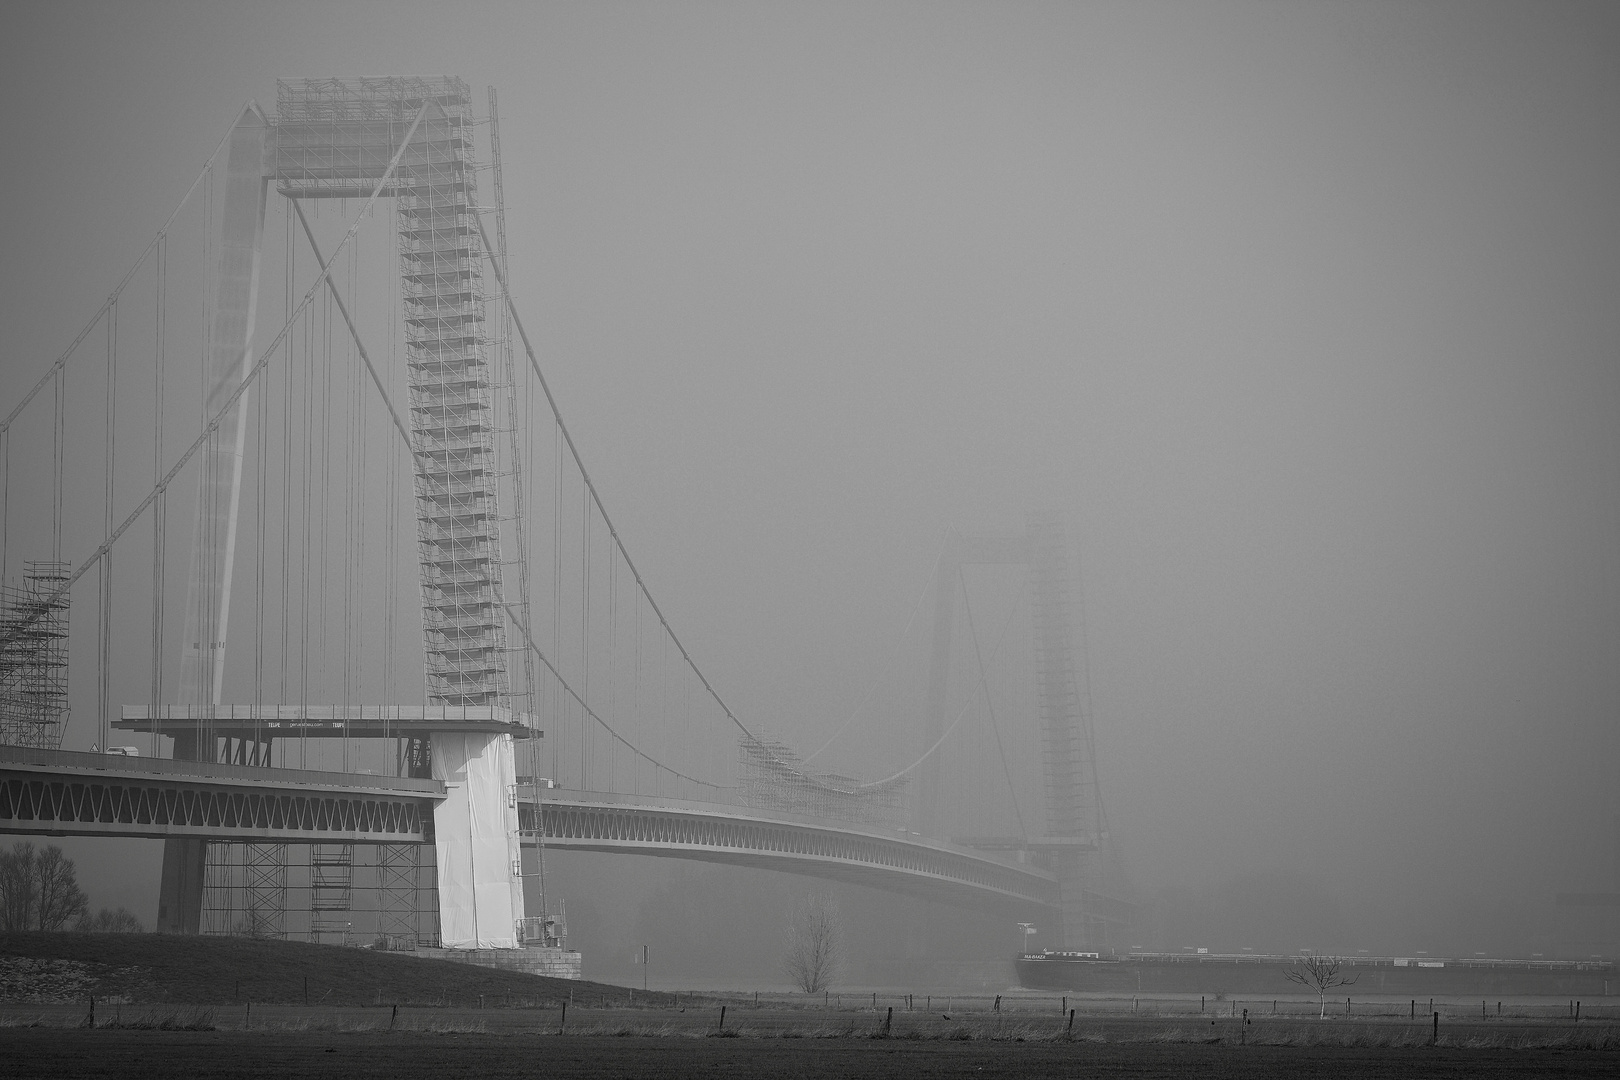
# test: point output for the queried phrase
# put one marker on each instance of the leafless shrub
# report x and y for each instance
(1321, 974)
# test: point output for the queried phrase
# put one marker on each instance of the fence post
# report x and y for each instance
(1434, 1035)
(888, 1021)
(563, 1023)
(998, 1003)
(1243, 1032)
(722, 1018)
(1071, 1021)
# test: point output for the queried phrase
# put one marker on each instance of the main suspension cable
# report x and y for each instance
(528, 640)
(883, 675)
(596, 498)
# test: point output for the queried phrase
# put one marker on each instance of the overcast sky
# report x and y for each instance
(1305, 313)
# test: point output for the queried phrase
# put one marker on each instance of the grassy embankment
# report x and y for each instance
(224, 970)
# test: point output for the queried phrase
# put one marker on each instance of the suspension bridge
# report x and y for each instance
(402, 640)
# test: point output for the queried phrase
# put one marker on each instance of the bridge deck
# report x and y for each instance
(592, 821)
(63, 793)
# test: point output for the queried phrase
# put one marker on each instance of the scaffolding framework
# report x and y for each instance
(34, 658)
(336, 894)
(773, 777)
(331, 893)
(335, 137)
(265, 871)
(405, 896)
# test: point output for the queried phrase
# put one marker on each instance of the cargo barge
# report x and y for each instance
(1260, 974)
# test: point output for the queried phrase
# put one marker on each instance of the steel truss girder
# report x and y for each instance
(68, 797)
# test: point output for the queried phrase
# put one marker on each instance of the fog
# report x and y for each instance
(1303, 315)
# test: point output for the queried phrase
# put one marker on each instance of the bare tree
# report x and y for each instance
(61, 902)
(38, 889)
(17, 887)
(814, 953)
(107, 921)
(1319, 973)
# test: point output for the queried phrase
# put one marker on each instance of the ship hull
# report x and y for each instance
(1267, 976)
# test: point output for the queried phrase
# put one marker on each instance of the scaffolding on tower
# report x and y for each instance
(34, 657)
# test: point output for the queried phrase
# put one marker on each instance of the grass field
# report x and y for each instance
(136, 1054)
(223, 1007)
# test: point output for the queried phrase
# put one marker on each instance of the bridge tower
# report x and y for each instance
(408, 139)
(1073, 842)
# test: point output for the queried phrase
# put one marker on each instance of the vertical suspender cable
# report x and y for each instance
(110, 443)
(55, 369)
(585, 631)
(230, 401)
(159, 541)
(286, 465)
(331, 656)
(556, 576)
(58, 441)
(5, 500)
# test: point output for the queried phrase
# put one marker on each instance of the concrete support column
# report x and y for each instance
(181, 894)
(476, 842)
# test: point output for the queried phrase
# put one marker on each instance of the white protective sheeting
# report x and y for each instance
(476, 840)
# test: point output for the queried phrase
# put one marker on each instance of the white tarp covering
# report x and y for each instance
(476, 839)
